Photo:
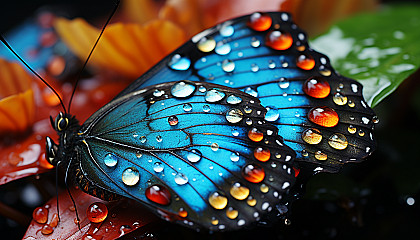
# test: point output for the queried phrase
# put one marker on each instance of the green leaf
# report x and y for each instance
(379, 49)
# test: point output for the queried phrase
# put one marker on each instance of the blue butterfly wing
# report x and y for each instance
(243, 58)
(193, 152)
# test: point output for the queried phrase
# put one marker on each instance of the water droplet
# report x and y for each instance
(312, 136)
(255, 135)
(320, 156)
(361, 133)
(283, 83)
(238, 191)
(110, 160)
(47, 229)
(248, 110)
(235, 132)
(264, 188)
(130, 176)
(182, 89)
(158, 93)
(375, 119)
(206, 108)
(316, 87)
(248, 121)
(251, 92)
(232, 213)
(260, 21)
(272, 114)
(214, 95)
(194, 155)
(354, 88)
(179, 63)
(254, 67)
(214, 221)
(338, 141)
(202, 89)
(251, 201)
(187, 107)
(351, 104)
(227, 30)
(340, 99)
(97, 212)
(217, 200)
(206, 44)
(279, 40)
(234, 157)
(324, 71)
(228, 65)
(232, 99)
(158, 167)
(182, 213)
(173, 120)
(255, 42)
(253, 173)
(181, 179)
(159, 138)
(351, 129)
(305, 62)
(323, 116)
(262, 154)
(143, 139)
(139, 154)
(158, 194)
(223, 48)
(40, 215)
(214, 147)
(234, 115)
(305, 153)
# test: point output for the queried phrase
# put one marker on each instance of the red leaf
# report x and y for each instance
(124, 216)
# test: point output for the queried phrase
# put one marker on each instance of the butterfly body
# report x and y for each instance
(214, 143)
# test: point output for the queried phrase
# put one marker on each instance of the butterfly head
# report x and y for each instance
(65, 125)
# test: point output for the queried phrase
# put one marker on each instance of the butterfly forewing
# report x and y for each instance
(197, 153)
(321, 114)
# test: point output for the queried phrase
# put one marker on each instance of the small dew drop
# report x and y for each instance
(228, 65)
(179, 63)
(181, 179)
(194, 156)
(182, 89)
(158, 167)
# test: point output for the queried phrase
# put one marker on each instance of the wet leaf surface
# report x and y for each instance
(379, 49)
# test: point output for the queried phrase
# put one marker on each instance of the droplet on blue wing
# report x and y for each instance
(214, 95)
(181, 179)
(194, 156)
(232, 99)
(206, 44)
(214, 147)
(234, 157)
(254, 67)
(182, 89)
(158, 167)
(179, 63)
(223, 48)
(143, 139)
(234, 116)
(187, 107)
(130, 176)
(235, 132)
(206, 108)
(272, 114)
(251, 92)
(173, 120)
(283, 83)
(255, 42)
(158, 93)
(202, 89)
(271, 64)
(228, 65)
(159, 138)
(110, 160)
(227, 31)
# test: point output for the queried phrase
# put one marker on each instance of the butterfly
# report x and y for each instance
(212, 137)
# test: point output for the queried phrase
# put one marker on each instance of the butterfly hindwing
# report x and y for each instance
(319, 113)
(193, 152)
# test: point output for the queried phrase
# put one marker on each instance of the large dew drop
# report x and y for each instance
(227, 31)
(272, 114)
(316, 87)
(228, 65)
(239, 192)
(312, 136)
(130, 176)
(97, 212)
(158, 194)
(338, 141)
(214, 95)
(260, 21)
(110, 160)
(223, 48)
(206, 44)
(279, 40)
(255, 135)
(262, 154)
(181, 179)
(232, 99)
(253, 173)
(323, 116)
(217, 200)
(182, 89)
(194, 156)
(305, 62)
(179, 63)
(234, 115)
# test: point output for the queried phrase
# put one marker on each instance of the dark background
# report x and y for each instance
(364, 201)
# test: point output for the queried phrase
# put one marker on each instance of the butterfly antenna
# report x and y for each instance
(91, 51)
(33, 71)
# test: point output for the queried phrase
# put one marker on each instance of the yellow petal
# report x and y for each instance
(17, 107)
(128, 49)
